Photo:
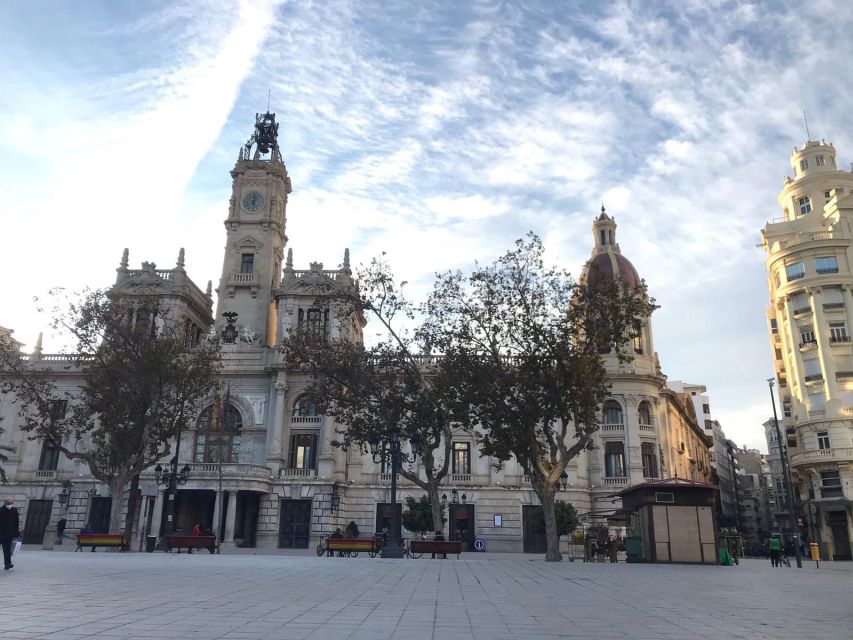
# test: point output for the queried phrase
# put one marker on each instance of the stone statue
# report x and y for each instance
(247, 335)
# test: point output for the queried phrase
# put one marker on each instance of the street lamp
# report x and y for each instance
(786, 479)
(455, 496)
(381, 451)
(66, 493)
(171, 479)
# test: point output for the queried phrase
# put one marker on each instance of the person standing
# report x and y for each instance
(439, 537)
(775, 548)
(10, 528)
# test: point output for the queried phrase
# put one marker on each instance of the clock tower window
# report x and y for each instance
(247, 264)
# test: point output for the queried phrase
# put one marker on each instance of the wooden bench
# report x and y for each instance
(353, 545)
(180, 541)
(436, 546)
(114, 540)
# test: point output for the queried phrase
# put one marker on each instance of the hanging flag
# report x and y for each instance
(223, 404)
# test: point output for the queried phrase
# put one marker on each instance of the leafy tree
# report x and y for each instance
(393, 383)
(418, 517)
(566, 517)
(526, 342)
(3, 457)
(140, 383)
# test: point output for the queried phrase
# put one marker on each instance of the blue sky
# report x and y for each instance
(438, 132)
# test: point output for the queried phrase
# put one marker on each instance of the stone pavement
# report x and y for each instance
(489, 597)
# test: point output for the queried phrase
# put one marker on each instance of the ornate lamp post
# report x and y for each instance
(66, 493)
(171, 479)
(390, 450)
(786, 476)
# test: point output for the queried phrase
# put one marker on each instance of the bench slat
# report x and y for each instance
(351, 544)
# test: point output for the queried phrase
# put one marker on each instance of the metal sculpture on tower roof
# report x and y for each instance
(264, 139)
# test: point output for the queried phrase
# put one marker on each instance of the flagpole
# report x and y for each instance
(224, 425)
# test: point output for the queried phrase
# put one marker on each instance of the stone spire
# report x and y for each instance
(346, 261)
(36, 354)
(125, 258)
(209, 291)
(604, 233)
(180, 264)
(288, 265)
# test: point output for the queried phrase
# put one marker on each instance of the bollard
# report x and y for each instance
(815, 551)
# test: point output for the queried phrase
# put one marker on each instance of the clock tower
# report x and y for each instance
(255, 239)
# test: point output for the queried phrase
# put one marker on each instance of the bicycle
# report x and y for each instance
(783, 559)
(321, 548)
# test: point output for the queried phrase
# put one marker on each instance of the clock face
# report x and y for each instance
(253, 201)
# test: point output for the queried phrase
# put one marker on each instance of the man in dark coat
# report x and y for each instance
(9, 530)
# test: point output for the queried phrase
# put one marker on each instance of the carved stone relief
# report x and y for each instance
(258, 404)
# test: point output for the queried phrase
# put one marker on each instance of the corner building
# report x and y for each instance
(283, 485)
(810, 277)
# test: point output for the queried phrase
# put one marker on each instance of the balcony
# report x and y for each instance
(245, 280)
(817, 413)
(203, 470)
(802, 311)
(833, 307)
(294, 472)
(815, 377)
(647, 428)
(460, 478)
(825, 270)
(809, 345)
(305, 419)
(839, 454)
(843, 375)
(619, 481)
(790, 277)
(613, 427)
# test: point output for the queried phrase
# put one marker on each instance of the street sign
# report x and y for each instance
(479, 544)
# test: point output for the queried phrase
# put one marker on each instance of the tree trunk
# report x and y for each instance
(132, 508)
(117, 493)
(552, 538)
(435, 503)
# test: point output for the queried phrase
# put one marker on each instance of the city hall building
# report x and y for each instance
(268, 475)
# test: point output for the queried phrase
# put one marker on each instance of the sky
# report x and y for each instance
(437, 132)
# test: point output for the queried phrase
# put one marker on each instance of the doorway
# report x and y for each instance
(246, 522)
(532, 522)
(99, 514)
(461, 525)
(294, 530)
(38, 515)
(837, 521)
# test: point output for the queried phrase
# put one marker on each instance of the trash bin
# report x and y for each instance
(632, 549)
(150, 543)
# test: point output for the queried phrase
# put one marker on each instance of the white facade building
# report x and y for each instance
(283, 483)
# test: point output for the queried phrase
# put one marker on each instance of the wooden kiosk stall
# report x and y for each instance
(673, 519)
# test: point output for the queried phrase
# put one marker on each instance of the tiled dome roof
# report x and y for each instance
(606, 266)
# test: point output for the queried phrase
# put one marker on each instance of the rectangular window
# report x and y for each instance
(795, 271)
(807, 336)
(706, 408)
(247, 264)
(461, 457)
(827, 196)
(838, 332)
(830, 484)
(805, 205)
(804, 164)
(637, 336)
(823, 440)
(819, 161)
(774, 327)
(303, 451)
(614, 459)
(827, 264)
(49, 459)
(314, 321)
(812, 367)
(602, 237)
(650, 460)
(58, 409)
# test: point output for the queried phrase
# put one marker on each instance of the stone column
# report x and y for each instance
(821, 333)
(279, 410)
(633, 459)
(230, 518)
(157, 516)
(217, 513)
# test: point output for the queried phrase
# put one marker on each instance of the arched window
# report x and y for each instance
(304, 407)
(612, 413)
(645, 413)
(218, 435)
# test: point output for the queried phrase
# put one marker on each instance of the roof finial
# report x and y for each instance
(125, 257)
(37, 347)
(346, 259)
(180, 264)
(209, 291)
(289, 262)
(602, 208)
(808, 135)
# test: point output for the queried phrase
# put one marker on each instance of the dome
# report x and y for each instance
(605, 267)
(607, 262)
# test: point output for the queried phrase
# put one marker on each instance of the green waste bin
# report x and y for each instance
(725, 557)
(632, 549)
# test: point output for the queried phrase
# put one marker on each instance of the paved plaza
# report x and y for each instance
(111, 595)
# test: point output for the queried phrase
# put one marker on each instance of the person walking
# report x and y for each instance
(10, 528)
(775, 548)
